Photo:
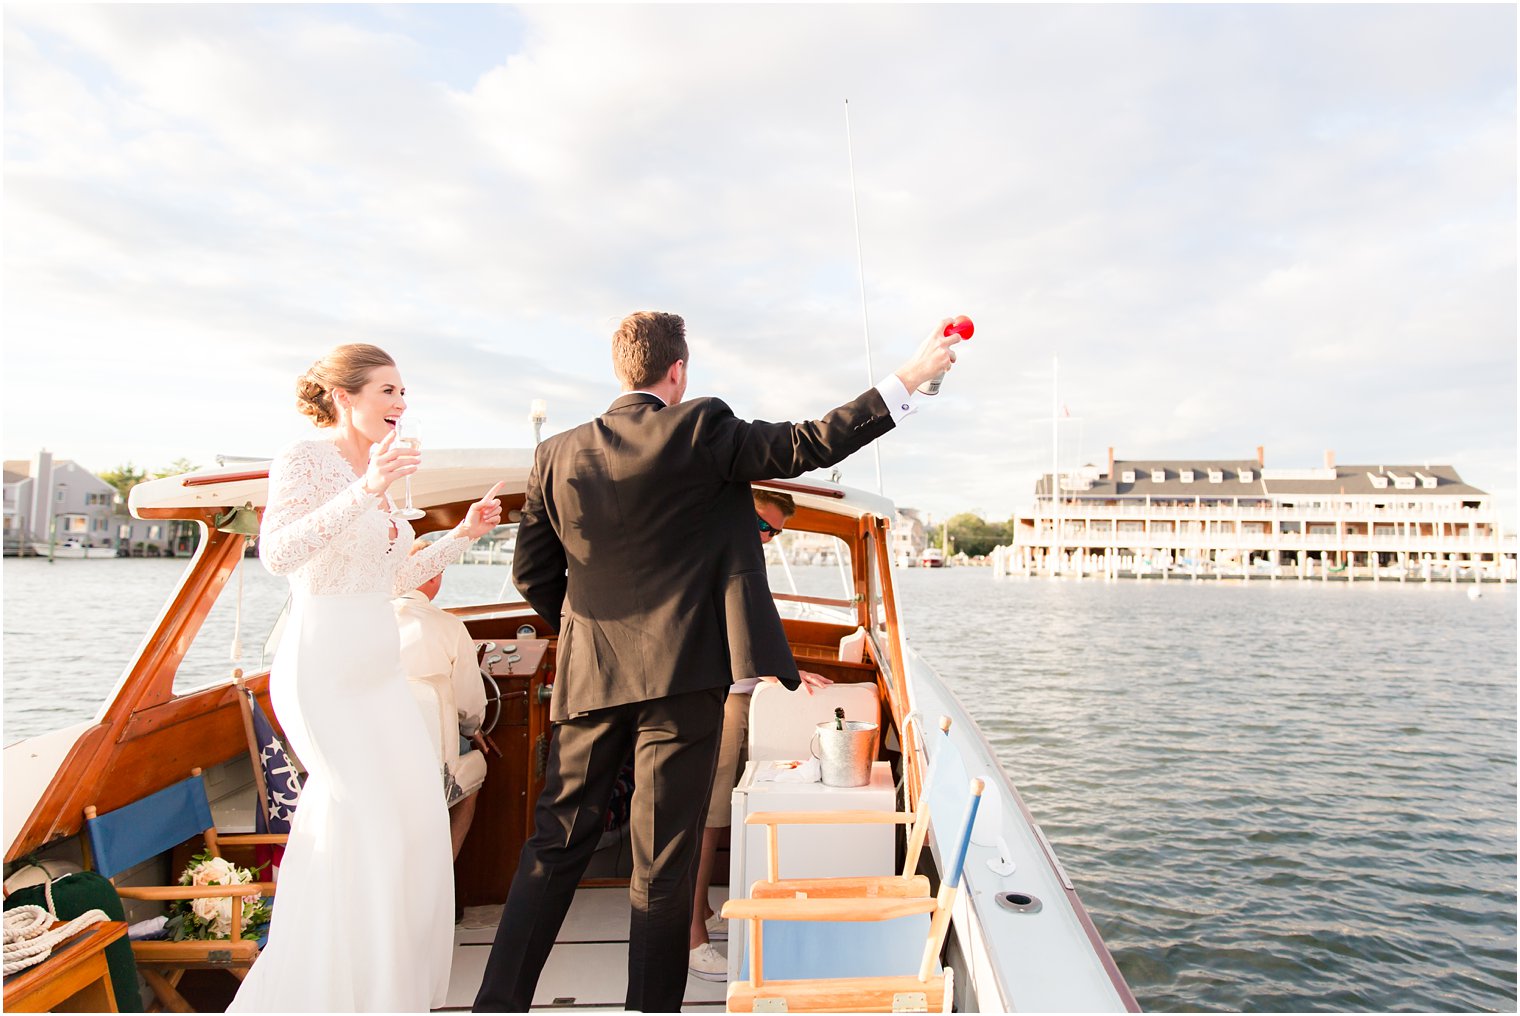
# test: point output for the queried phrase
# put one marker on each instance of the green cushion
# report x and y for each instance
(76, 893)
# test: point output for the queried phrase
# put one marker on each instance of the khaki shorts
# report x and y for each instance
(732, 753)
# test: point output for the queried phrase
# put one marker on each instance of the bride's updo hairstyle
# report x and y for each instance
(346, 367)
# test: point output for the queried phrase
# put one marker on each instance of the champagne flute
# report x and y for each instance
(409, 434)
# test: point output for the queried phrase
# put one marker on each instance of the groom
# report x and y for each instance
(638, 544)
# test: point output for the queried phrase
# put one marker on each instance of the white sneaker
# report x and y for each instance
(708, 963)
(717, 928)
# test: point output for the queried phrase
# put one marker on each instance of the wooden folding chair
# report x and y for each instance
(906, 884)
(126, 837)
(929, 989)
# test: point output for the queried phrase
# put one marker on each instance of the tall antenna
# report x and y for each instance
(1055, 471)
(865, 317)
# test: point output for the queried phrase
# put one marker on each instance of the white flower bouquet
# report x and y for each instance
(211, 917)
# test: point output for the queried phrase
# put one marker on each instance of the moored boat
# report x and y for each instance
(73, 549)
(1018, 939)
(932, 557)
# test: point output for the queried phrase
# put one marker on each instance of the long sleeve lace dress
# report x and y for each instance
(363, 918)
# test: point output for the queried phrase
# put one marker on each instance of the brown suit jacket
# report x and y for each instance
(638, 544)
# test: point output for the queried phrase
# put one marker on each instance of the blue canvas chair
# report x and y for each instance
(798, 950)
(130, 835)
(902, 989)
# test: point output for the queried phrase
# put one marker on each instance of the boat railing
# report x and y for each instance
(1216, 540)
(821, 601)
(1327, 510)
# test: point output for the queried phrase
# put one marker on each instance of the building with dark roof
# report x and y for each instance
(1241, 517)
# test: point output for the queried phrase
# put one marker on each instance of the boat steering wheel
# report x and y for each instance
(488, 656)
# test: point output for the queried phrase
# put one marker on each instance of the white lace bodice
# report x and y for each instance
(322, 529)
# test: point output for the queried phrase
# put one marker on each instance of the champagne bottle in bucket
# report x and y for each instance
(845, 750)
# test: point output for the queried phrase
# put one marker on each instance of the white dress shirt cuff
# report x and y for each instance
(900, 402)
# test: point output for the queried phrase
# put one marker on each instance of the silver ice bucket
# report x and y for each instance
(845, 756)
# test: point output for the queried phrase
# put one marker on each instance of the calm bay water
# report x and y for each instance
(1271, 796)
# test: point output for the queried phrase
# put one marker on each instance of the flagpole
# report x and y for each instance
(860, 262)
(1055, 472)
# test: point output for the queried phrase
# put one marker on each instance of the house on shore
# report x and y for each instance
(58, 500)
(910, 535)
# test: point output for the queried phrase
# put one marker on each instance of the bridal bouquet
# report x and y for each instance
(212, 917)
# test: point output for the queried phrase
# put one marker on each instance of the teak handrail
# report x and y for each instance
(206, 481)
(802, 488)
(822, 601)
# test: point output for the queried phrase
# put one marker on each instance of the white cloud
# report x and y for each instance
(1280, 225)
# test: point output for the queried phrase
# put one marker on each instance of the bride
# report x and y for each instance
(364, 914)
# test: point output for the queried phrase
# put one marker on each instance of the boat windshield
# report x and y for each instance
(810, 574)
(233, 637)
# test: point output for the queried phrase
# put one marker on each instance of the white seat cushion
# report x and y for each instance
(782, 723)
(469, 772)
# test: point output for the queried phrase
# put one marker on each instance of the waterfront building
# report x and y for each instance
(1241, 518)
(17, 504)
(804, 548)
(910, 535)
(58, 499)
(47, 498)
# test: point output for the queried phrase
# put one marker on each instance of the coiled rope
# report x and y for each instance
(27, 938)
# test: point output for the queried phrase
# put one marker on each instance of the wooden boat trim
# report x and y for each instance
(822, 601)
(898, 682)
(194, 705)
(803, 488)
(202, 480)
(490, 610)
(147, 737)
(148, 683)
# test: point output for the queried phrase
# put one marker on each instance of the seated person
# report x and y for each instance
(436, 643)
(772, 512)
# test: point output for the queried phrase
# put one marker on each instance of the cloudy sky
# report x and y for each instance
(1289, 226)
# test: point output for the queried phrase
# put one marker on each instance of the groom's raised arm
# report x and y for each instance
(758, 450)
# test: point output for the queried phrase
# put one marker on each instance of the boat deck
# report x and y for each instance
(588, 969)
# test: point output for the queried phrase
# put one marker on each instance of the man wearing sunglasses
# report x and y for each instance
(639, 545)
(773, 510)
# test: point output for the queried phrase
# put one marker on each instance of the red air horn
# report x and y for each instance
(961, 326)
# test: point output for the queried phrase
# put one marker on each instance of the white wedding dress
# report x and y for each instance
(363, 917)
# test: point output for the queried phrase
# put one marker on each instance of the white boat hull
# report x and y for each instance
(72, 550)
(1047, 957)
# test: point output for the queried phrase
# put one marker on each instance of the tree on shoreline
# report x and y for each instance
(183, 536)
(123, 478)
(175, 468)
(970, 534)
